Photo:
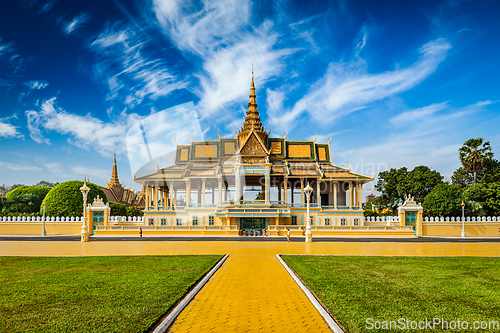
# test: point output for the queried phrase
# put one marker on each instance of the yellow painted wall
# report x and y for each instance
(35, 228)
(483, 229)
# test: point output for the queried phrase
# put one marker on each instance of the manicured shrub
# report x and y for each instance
(134, 211)
(25, 199)
(66, 199)
(117, 209)
(444, 200)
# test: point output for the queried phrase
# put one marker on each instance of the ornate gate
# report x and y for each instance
(97, 219)
(252, 223)
(411, 220)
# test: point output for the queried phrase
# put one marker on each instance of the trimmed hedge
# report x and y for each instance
(117, 209)
(66, 199)
(39, 191)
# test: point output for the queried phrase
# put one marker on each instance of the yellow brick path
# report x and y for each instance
(251, 292)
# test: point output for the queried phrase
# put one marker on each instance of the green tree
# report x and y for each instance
(66, 199)
(484, 199)
(443, 200)
(134, 211)
(46, 184)
(492, 174)
(16, 186)
(489, 174)
(33, 203)
(117, 209)
(475, 155)
(395, 184)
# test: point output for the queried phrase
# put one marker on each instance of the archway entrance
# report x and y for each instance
(252, 223)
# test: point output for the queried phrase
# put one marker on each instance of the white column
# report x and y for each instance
(335, 195)
(318, 194)
(171, 193)
(203, 187)
(188, 192)
(155, 196)
(220, 190)
(302, 191)
(285, 190)
(350, 195)
(268, 190)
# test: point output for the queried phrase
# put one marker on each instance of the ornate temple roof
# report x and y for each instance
(116, 192)
(293, 159)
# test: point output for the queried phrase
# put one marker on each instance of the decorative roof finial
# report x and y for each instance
(114, 159)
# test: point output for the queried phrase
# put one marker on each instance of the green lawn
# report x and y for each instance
(93, 294)
(355, 289)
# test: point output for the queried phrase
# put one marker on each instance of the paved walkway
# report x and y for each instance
(252, 291)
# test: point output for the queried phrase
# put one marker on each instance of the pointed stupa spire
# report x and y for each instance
(252, 118)
(114, 174)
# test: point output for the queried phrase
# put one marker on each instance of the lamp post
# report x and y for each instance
(85, 190)
(308, 190)
(463, 219)
(44, 233)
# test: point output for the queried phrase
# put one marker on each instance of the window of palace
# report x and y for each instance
(151, 221)
(163, 221)
(210, 220)
(342, 221)
(195, 220)
(294, 220)
(327, 221)
(356, 221)
(311, 219)
(179, 221)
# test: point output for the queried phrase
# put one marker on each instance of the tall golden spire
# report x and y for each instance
(114, 174)
(252, 119)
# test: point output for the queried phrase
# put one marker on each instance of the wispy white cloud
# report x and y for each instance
(220, 33)
(130, 73)
(417, 114)
(53, 167)
(37, 85)
(85, 132)
(17, 167)
(100, 174)
(348, 87)
(226, 77)
(77, 22)
(5, 47)
(202, 28)
(8, 130)
(432, 114)
(47, 6)
(424, 136)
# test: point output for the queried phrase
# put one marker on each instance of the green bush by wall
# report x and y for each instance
(66, 199)
(117, 209)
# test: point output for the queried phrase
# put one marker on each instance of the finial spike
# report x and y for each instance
(114, 159)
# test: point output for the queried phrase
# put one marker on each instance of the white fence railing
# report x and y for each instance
(381, 219)
(63, 219)
(123, 219)
(459, 219)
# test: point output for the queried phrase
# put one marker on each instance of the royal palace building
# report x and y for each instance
(250, 183)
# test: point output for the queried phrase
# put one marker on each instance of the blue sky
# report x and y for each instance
(394, 83)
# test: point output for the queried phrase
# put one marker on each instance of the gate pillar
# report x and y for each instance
(410, 213)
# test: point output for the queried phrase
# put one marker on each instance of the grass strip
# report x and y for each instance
(94, 294)
(355, 289)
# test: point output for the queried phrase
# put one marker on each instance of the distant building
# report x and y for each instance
(116, 192)
(370, 196)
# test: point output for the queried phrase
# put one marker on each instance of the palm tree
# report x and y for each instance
(475, 155)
